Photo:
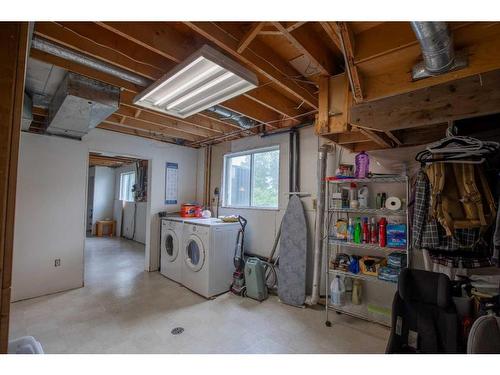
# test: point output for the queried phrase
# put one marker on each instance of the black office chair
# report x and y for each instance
(424, 318)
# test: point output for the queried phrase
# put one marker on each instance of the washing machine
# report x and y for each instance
(208, 255)
(171, 248)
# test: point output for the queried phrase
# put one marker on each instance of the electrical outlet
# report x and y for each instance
(57, 262)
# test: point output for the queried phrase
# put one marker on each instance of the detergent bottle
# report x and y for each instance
(357, 231)
(350, 231)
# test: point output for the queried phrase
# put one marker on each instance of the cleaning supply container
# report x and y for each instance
(337, 292)
(190, 210)
(362, 161)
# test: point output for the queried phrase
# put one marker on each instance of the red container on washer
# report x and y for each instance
(190, 210)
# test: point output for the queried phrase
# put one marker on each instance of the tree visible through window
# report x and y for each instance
(127, 181)
(252, 179)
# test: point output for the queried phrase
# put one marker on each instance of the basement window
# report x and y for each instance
(251, 178)
(127, 181)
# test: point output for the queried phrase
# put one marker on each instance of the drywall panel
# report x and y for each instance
(104, 191)
(50, 216)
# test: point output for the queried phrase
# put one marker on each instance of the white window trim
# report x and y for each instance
(250, 152)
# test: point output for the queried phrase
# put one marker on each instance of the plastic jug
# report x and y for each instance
(337, 292)
(362, 161)
(363, 195)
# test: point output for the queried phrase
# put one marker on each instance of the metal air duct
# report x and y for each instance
(242, 121)
(79, 58)
(80, 104)
(438, 50)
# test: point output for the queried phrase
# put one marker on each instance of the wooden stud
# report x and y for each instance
(260, 58)
(347, 41)
(310, 47)
(377, 138)
(324, 103)
(249, 36)
(13, 57)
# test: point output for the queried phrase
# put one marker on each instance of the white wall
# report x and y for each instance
(263, 224)
(51, 203)
(50, 216)
(104, 192)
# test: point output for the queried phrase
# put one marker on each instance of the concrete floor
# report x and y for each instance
(123, 309)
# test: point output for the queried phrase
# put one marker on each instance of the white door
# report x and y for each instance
(194, 255)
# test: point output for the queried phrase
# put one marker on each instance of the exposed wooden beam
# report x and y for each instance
(377, 138)
(258, 112)
(322, 125)
(260, 58)
(389, 74)
(13, 56)
(393, 137)
(164, 122)
(131, 122)
(92, 40)
(249, 36)
(310, 47)
(347, 42)
(117, 128)
(463, 98)
(159, 37)
(331, 32)
(349, 137)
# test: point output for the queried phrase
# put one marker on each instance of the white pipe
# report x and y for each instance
(320, 217)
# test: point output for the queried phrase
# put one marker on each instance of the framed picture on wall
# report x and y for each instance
(171, 182)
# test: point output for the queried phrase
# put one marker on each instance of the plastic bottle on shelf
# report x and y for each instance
(373, 231)
(382, 234)
(366, 231)
(350, 231)
(337, 291)
(363, 196)
(378, 201)
(362, 161)
(353, 196)
(357, 231)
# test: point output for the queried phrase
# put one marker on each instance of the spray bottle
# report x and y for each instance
(373, 231)
(382, 238)
(350, 231)
(366, 231)
(357, 231)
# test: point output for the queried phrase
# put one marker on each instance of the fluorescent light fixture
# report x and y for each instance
(204, 79)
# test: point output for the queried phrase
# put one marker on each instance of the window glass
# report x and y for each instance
(127, 182)
(252, 179)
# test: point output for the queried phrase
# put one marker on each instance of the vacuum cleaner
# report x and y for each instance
(238, 285)
(249, 276)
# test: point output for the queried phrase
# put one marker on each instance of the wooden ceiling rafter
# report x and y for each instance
(310, 47)
(159, 39)
(347, 42)
(259, 58)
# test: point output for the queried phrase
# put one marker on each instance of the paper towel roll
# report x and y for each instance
(393, 203)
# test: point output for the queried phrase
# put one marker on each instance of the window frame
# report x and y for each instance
(251, 153)
(121, 188)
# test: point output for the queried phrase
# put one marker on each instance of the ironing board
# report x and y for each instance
(293, 252)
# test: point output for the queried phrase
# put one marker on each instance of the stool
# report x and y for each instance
(100, 224)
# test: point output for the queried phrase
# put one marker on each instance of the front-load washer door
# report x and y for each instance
(171, 245)
(194, 253)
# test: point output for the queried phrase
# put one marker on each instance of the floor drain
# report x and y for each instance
(177, 331)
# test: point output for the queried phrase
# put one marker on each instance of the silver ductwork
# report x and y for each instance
(80, 104)
(320, 217)
(79, 58)
(438, 50)
(226, 114)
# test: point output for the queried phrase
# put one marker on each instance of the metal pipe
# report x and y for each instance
(320, 217)
(438, 51)
(291, 162)
(79, 58)
(296, 164)
(242, 121)
(286, 131)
